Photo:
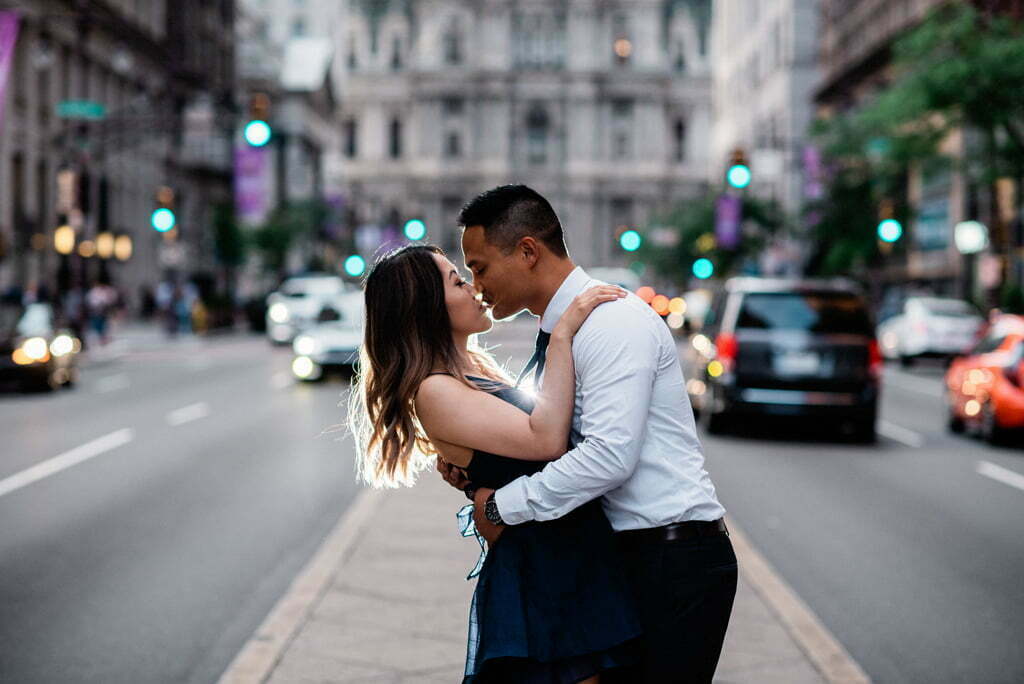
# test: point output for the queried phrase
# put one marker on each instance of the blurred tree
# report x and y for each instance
(962, 69)
(285, 228)
(694, 223)
(229, 248)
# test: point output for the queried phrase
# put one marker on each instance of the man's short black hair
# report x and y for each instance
(509, 213)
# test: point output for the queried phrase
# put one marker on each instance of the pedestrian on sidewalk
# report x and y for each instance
(551, 603)
(636, 445)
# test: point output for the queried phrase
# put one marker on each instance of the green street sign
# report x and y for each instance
(81, 109)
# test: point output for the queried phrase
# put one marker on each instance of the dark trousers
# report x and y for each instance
(684, 591)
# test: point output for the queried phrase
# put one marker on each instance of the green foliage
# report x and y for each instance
(229, 241)
(959, 70)
(285, 227)
(693, 219)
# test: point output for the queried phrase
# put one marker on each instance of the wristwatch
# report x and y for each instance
(491, 511)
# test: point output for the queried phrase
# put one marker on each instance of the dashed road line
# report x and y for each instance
(66, 460)
(186, 414)
(1001, 474)
(900, 434)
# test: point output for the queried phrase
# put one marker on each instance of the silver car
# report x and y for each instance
(333, 344)
(299, 302)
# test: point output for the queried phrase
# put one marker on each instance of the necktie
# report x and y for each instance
(539, 354)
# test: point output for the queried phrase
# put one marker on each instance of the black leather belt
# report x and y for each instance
(679, 531)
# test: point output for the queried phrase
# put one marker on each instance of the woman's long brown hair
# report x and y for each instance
(406, 337)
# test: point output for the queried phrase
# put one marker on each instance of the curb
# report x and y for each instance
(828, 656)
(261, 654)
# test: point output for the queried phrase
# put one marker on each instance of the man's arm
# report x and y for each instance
(616, 359)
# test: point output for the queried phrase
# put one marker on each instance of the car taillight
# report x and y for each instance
(726, 348)
(875, 359)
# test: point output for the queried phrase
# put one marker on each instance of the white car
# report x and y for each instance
(331, 345)
(929, 326)
(300, 302)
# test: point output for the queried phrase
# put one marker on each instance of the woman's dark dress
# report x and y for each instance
(551, 604)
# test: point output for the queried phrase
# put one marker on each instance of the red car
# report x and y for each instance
(985, 388)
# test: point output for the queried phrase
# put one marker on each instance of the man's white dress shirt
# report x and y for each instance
(636, 442)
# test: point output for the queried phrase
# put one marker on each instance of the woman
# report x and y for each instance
(551, 604)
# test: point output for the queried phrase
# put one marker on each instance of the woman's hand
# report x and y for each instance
(582, 305)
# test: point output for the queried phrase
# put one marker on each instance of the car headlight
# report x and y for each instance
(304, 368)
(305, 345)
(61, 345)
(278, 312)
(35, 348)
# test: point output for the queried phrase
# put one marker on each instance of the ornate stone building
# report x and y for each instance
(601, 105)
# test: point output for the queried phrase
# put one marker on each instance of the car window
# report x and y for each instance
(951, 308)
(988, 344)
(817, 312)
(36, 320)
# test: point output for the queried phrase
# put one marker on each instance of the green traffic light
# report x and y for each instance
(738, 176)
(257, 133)
(162, 220)
(355, 265)
(630, 240)
(415, 229)
(890, 230)
(703, 268)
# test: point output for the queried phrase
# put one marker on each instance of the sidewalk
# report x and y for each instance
(385, 600)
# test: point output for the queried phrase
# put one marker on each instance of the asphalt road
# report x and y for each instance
(196, 482)
(910, 551)
(201, 486)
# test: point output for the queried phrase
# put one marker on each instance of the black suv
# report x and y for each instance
(781, 347)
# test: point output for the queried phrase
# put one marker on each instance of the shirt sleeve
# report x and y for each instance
(616, 362)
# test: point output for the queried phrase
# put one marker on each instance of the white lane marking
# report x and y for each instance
(1000, 474)
(900, 434)
(112, 383)
(66, 460)
(914, 384)
(188, 413)
(280, 380)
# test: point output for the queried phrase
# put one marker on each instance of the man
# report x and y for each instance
(636, 443)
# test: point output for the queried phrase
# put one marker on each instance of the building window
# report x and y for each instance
(453, 145)
(538, 40)
(396, 54)
(351, 135)
(353, 60)
(537, 136)
(622, 46)
(452, 106)
(395, 139)
(622, 129)
(679, 61)
(298, 27)
(679, 139)
(453, 44)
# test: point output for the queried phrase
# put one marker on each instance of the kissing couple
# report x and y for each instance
(608, 559)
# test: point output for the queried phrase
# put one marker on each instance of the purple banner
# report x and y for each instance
(728, 213)
(8, 39)
(252, 183)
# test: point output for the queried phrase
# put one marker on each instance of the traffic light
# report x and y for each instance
(257, 131)
(703, 268)
(415, 229)
(889, 229)
(738, 175)
(355, 265)
(630, 240)
(163, 219)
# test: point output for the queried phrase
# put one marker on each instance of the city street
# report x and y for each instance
(201, 484)
(910, 551)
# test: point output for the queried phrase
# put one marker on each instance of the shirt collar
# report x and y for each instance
(570, 287)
